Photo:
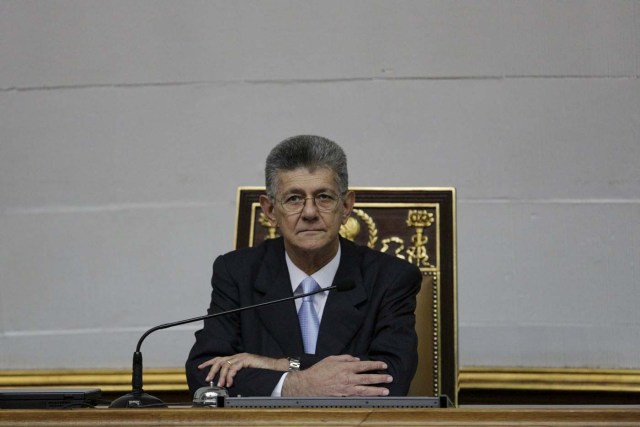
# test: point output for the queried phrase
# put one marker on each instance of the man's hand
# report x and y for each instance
(228, 366)
(342, 375)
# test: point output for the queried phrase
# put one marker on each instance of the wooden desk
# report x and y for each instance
(323, 417)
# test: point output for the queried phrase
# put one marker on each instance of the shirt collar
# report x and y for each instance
(324, 277)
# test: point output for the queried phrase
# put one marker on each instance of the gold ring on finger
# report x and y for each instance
(229, 362)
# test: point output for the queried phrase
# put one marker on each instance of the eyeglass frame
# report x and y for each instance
(338, 197)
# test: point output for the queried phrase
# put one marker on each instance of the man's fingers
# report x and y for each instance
(365, 379)
(218, 366)
(344, 358)
(368, 365)
(225, 370)
(207, 363)
(212, 372)
(370, 391)
(231, 373)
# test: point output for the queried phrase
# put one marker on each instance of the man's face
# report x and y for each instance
(311, 231)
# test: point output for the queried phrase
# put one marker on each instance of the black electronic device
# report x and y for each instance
(48, 398)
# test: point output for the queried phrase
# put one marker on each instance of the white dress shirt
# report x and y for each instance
(323, 277)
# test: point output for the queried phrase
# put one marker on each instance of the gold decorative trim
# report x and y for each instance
(109, 380)
(550, 379)
(469, 378)
(454, 231)
(368, 221)
(435, 313)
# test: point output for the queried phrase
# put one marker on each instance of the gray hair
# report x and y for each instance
(307, 151)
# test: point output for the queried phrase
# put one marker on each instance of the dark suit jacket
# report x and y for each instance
(374, 321)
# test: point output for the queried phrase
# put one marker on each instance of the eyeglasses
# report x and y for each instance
(294, 203)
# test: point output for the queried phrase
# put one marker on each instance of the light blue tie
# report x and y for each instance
(309, 322)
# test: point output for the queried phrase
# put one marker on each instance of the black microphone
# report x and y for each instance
(138, 398)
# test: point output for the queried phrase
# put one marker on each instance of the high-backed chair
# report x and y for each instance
(418, 225)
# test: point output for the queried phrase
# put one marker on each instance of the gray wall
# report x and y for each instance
(126, 126)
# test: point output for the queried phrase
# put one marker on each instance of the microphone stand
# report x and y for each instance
(138, 398)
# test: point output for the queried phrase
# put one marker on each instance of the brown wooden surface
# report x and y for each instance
(324, 417)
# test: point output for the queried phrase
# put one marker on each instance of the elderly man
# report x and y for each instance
(360, 342)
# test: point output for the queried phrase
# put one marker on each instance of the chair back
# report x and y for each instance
(418, 225)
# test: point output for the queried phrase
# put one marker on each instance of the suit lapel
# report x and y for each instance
(341, 318)
(280, 320)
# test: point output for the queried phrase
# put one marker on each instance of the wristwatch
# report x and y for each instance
(294, 363)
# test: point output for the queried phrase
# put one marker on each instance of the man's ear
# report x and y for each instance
(268, 208)
(348, 201)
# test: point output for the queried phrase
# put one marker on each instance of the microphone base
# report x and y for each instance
(137, 400)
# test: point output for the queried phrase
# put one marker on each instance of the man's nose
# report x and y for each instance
(309, 209)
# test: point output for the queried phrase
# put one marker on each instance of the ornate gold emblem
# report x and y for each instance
(419, 219)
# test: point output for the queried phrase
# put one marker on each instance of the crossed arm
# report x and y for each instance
(342, 375)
